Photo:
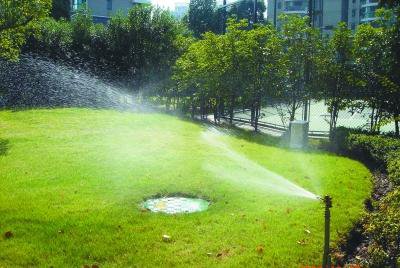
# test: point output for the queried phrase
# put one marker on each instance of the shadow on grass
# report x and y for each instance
(4, 146)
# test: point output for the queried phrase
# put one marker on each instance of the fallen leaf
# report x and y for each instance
(307, 231)
(166, 238)
(301, 242)
(338, 256)
(223, 253)
(8, 234)
(260, 249)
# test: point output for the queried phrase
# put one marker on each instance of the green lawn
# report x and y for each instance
(72, 181)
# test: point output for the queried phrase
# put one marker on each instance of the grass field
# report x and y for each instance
(72, 181)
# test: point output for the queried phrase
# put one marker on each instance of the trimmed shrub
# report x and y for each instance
(393, 167)
(381, 225)
(376, 148)
(383, 228)
(51, 38)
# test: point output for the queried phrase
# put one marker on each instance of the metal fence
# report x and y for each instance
(274, 119)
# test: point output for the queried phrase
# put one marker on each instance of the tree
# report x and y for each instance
(51, 38)
(273, 67)
(201, 17)
(389, 3)
(393, 80)
(263, 67)
(15, 18)
(371, 58)
(245, 10)
(302, 44)
(81, 31)
(189, 74)
(338, 73)
(235, 74)
(61, 9)
(378, 59)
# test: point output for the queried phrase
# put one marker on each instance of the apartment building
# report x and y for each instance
(327, 13)
(181, 9)
(102, 10)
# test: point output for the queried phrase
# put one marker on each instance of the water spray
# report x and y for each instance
(326, 261)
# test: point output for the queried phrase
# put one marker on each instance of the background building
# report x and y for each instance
(327, 13)
(102, 10)
(180, 10)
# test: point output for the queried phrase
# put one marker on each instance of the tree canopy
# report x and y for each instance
(15, 17)
(201, 16)
(61, 9)
(245, 10)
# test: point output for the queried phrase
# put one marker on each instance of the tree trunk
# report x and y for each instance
(377, 120)
(222, 108)
(372, 119)
(252, 114)
(332, 123)
(257, 116)
(293, 112)
(232, 104)
(168, 103)
(219, 108)
(193, 108)
(393, 262)
(396, 124)
(202, 108)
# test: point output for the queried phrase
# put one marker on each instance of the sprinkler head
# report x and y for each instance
(328, 201)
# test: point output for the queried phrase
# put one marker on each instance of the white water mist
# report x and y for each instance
(248, 172)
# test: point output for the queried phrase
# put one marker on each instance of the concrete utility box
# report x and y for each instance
(298, 135)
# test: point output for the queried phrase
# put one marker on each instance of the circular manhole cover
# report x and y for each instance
(174, 205)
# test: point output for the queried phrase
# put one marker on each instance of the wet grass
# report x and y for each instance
(73, 179)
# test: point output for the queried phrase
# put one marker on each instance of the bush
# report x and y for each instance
(373, 147)
(339, 144)
(341, 135)
(382, 151)
(393, 167)
(382, 225)
(51, 38)
(136, 48)
(383, 228)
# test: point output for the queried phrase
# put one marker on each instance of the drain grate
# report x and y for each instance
(175, 205)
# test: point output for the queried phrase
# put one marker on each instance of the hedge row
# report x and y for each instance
(380, 151)
(393, 167)
(381, 227)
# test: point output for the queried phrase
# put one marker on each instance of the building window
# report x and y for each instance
(353, 13)
(76, 4)
(109, 4)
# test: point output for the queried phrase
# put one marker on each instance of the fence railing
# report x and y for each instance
(275, 127)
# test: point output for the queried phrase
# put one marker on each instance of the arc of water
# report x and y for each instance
(249, 172)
